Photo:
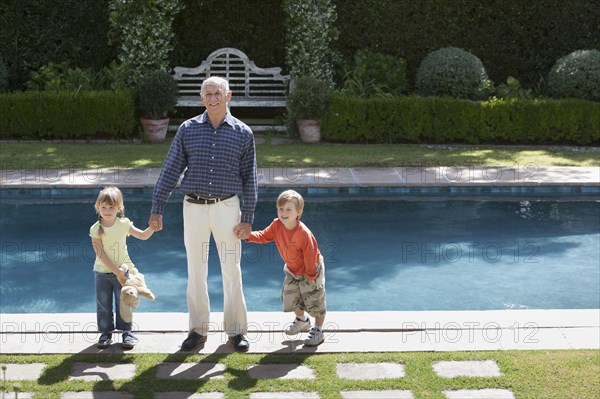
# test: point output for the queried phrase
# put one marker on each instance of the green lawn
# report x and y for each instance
(528, 374)
(57, 155)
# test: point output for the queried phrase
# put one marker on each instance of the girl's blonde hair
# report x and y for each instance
(291, 195)
(112, 196)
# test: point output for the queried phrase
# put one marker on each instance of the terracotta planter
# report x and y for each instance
(310, 130)
(155, 129)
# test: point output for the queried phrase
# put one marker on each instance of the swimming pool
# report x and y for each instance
(384, 249)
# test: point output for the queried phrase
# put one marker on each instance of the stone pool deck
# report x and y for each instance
(381, 331)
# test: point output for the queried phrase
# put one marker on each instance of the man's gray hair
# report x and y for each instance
(218, 81)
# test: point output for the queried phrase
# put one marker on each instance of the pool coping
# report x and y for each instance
(468, 176)
(372, 331)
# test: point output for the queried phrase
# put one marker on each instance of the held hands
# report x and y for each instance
(242, 231)
(155, 222)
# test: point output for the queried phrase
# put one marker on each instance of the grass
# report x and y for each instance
(65, 155)
(528, 374)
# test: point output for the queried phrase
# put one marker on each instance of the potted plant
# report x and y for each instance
(307, 101)
(157, 93)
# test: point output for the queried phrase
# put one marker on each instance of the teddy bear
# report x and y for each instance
(133, 286)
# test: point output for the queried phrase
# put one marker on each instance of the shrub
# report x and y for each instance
(309, 98)
(157, 94)
(144, 33)
(453, 72)
(67, 115)
(62, 77)
(414, 119)
(374, 74)
(576, 75)
(512, 89)
(310, 31)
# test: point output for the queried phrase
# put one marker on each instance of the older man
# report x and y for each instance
(216, 153)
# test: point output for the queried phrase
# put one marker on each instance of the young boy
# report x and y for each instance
(304, 284)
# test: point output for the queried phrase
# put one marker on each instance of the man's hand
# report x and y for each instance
(242, 230)
(155, 222)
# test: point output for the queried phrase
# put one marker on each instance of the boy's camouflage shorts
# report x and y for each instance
(299, 293)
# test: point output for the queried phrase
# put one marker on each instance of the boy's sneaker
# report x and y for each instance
(104, 341)
(129, 340)
(315, 337)
(298, 326)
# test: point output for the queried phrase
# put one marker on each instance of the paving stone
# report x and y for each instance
(286, 395)
(470, 368)
(96, 395)
(479, 394)
(369, 371)
(22, 395)
(102, 371)
(191, 371)
(281, 371)
(189, 395)
(22, 372)
(389, 394)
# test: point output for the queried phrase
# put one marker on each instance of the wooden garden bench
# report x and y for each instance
(251, 86)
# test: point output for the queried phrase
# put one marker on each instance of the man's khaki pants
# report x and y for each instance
(199, 221)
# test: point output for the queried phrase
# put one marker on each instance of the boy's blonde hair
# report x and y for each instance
(291, 195)
(112, 196)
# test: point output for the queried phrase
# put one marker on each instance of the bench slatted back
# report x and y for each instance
(250, 85)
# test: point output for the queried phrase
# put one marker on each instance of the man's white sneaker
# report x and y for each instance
(298, 326)
(315, 337)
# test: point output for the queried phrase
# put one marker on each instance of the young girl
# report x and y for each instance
(109, 235)
(304, 284)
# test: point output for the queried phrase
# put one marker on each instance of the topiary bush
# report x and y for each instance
(454, 72)
(576, 75)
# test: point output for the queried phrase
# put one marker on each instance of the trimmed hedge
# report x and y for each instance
(67, 115)
(416, 119)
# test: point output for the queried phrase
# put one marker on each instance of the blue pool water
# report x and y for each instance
(384, 249)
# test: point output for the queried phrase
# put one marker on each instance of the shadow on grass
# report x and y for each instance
(165, 374)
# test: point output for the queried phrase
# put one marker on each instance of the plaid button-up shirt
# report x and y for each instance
(217, 163)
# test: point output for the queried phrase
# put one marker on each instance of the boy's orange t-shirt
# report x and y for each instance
(298, 247)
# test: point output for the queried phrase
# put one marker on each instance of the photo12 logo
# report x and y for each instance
(471, 174)
(490, 252)
(30, 173)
